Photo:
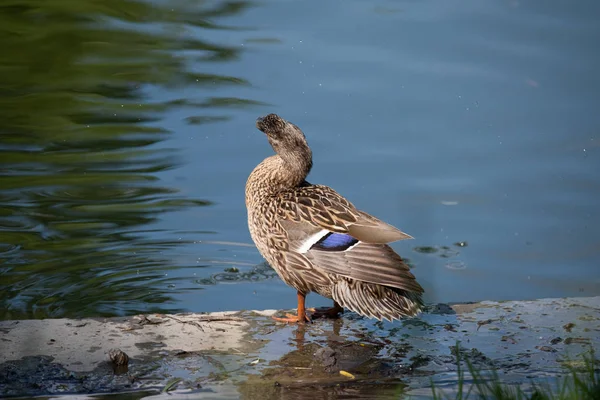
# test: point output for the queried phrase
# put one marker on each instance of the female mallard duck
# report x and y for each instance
(317, 241)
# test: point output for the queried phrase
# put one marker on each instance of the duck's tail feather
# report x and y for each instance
(376, 301)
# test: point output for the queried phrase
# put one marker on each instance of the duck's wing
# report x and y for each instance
(326, 230)
(323, 207)
(367, 262)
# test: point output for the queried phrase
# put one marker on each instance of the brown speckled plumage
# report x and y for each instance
(289, 219)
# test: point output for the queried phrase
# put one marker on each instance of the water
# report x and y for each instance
(128, 134)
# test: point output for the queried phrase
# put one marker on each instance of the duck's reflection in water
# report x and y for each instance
(321, 351)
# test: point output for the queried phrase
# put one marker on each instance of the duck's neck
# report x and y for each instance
(295, 166)
(277, 173)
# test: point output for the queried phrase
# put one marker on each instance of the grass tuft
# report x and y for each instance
(580, 384)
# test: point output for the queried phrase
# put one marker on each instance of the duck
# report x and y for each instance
(319, 242)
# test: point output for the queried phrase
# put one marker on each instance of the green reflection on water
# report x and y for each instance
(79, 153)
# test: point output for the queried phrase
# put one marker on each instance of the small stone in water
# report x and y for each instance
(118, 357)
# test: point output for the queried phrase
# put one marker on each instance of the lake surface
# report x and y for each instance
(127, 134)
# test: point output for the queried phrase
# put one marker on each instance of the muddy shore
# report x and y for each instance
(247, 355)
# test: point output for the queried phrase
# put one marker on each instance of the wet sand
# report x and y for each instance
(247, 355)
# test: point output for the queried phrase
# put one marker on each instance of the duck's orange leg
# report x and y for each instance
(301, 317)
(331, 312)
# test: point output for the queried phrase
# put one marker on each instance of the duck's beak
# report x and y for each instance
(260, 124)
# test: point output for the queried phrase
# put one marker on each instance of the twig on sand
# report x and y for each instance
(204, 318)
(144, 320)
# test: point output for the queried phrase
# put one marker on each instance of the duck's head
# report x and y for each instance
(289, 143)
(284, 136)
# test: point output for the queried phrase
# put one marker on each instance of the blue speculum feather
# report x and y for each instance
(335, 242)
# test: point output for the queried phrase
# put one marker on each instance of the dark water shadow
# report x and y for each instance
(82, 144)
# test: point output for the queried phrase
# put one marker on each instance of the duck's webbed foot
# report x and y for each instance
(324, 312)
(293, 319)
(296, 319)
